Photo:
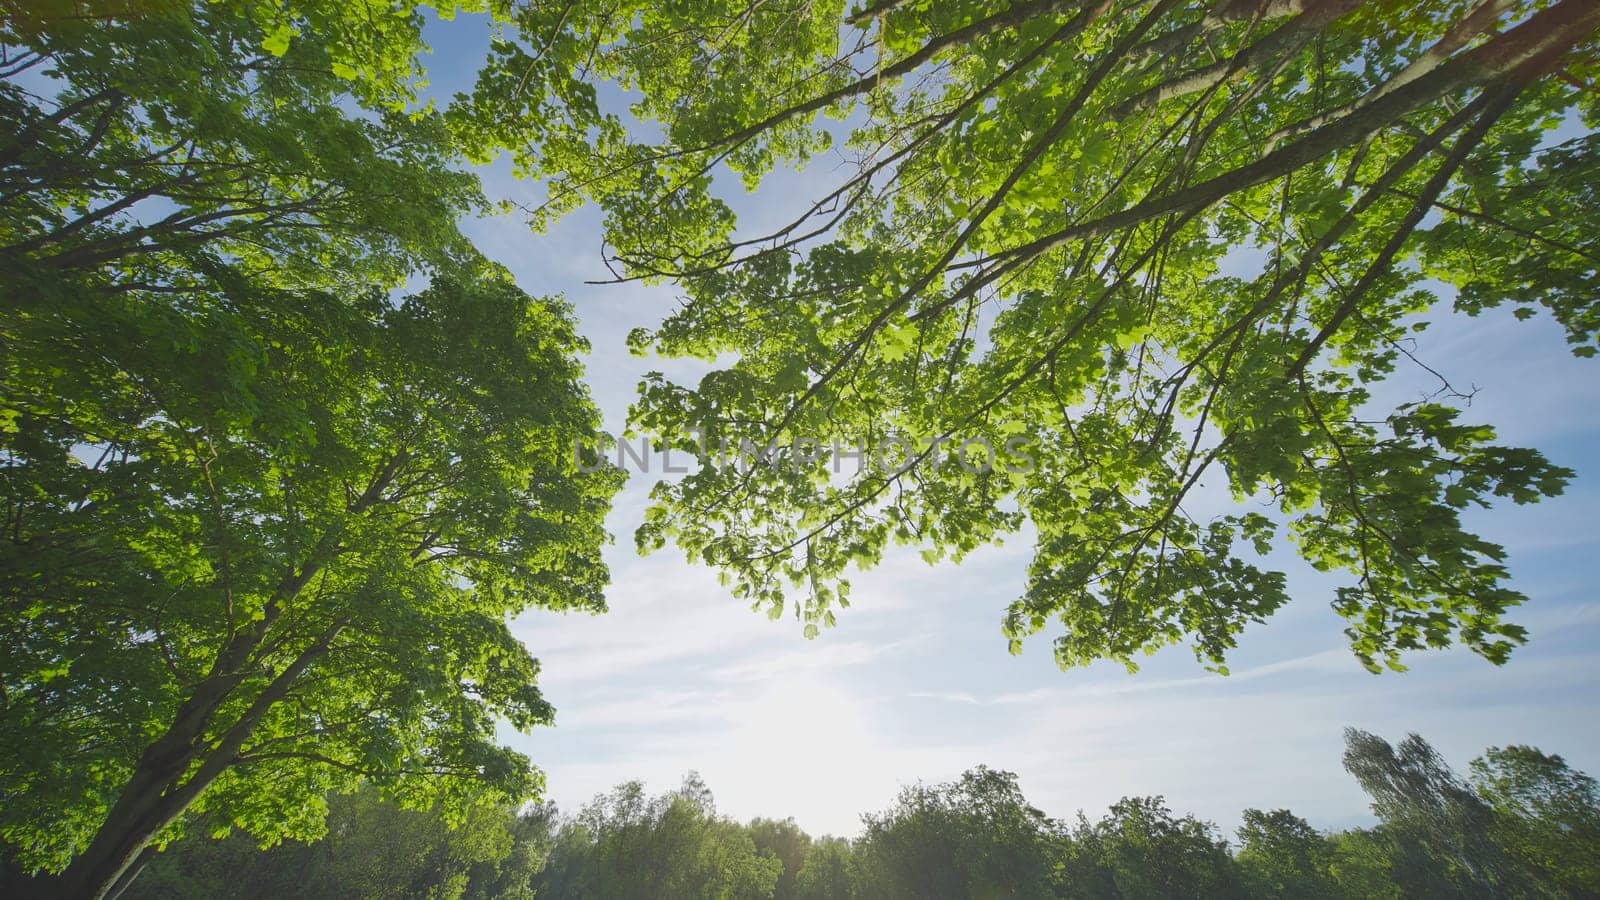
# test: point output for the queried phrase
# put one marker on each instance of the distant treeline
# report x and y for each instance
(1521, 823)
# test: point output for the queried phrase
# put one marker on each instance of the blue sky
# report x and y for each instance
(915, 682)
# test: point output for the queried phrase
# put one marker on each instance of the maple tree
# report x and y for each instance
(1159, 244)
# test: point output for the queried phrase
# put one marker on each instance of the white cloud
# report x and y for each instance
(820, 655)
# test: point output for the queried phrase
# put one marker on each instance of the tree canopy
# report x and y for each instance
(265, 516)
(1161, 245)
(976, 836)
(627, 844)
(372, 849)
(281, 452)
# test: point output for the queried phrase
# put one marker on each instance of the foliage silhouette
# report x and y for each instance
(975, 837)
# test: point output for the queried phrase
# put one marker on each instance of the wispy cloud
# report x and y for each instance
(1338, 660)
(819, 656)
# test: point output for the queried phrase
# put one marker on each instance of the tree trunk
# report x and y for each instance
(158, 792)
(132, 824)
(133, 872)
